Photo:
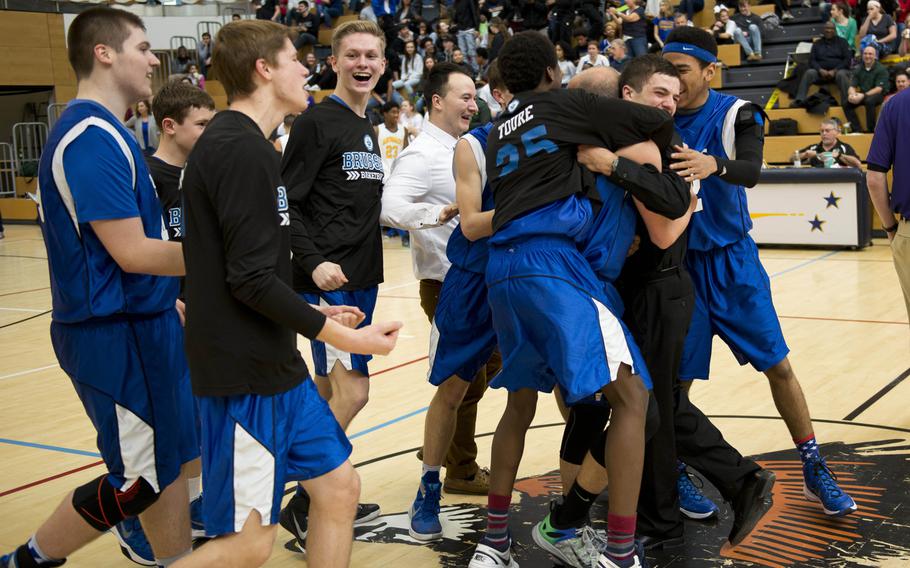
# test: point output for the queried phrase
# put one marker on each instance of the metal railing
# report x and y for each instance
(210, 27)
(188, 42)
(161, 73)
(7, 170)
(54, 110)
(29, 139)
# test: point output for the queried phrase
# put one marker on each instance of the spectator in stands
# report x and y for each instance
(331, 9)
(663, 23)
(829, 61)
(565, 66)
(844, 24)
(204, 52)
(197, 78)
(592, 58)
(383, 92)
(497, 37)
(618, 55)
(878, 30)
(307, 23)
(314, 71)
(410, 119)
(467, 19)
(870, 80)
(830, 151)
(142, 123)
(367, 13)
(458, 58)
(634, 27)
(590, 10)
(182, 60)
(748, 32)
(611, 32)
(411, 72)
(534, 13)
(723, 28)
(904, 48)
(407, 14)
(481, 65)
(782, 9)
(424, 32)
(901, 82)
(402, 38)
(561, 21)
(268, 10)
(689, 7)
(428, 63)
(501, 9)
(581, 44)
(681, 20)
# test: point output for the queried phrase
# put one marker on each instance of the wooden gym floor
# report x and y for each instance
(842, 313)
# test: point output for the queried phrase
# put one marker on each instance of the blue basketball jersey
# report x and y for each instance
(93, 170)
(612, 231)
(466, 254)
(723, 217)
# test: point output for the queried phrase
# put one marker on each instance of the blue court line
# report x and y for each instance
(802, 264)
(51, 448)
(389, 423)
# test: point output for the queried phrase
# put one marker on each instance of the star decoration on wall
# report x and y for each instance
(817, 224)
(832, 201)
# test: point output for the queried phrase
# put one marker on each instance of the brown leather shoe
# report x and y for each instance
(478, 485)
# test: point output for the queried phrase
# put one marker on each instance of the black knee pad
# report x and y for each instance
(102, 506)
(585, 422)
(599, 449)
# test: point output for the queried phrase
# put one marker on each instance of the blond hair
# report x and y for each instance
(357, 27)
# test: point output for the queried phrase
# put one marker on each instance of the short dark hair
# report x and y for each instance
(437, 80)
(844, 7)
(389, 106)
(176, 99)
(694, 36)
(206, 34)
(101, 25)
(494, 77)
(639, 70)
(523, 61)
(483, 52)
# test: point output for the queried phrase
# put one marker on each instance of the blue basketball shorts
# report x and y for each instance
(132, 377)
(732, 301)
(462, 337)
(615, 305)
(551, 317)
(252, 445)
(325, 356)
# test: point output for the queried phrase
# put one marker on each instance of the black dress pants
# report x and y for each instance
(658, 312)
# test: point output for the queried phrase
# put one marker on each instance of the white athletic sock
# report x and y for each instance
(427, 468)
(195, 487)
(165, 562)
(39, 554)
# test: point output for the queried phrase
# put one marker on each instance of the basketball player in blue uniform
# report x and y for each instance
(732, 291)
(564, 334)
(115, 329)
(333, 171)
(263, 420)
(462, 338)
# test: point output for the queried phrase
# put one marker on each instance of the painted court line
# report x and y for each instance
(49, 447)
(388, 288)
(28, 372)
(32, 310)
(843, 320)
(803, 264)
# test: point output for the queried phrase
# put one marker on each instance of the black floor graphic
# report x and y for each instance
(794, 533)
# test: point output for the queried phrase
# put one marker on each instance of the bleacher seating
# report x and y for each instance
(779, 149)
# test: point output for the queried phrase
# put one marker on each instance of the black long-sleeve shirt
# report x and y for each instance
(333, 173)
(242, 314)
(750, 142)
(830, 54)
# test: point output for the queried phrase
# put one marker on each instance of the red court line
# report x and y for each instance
(51, 478)
(97, 463)
(845, 320)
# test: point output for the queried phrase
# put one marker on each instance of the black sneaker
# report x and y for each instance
(366, 512)
(751, 504)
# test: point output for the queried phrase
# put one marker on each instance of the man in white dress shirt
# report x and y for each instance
(419, 196)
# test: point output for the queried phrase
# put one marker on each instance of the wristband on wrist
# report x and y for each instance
(891, 229)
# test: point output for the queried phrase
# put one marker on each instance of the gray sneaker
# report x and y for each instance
(577, 547)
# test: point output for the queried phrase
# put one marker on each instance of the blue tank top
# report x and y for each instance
(93, 170)
(463, 253)
(612, 231)
(723, 215)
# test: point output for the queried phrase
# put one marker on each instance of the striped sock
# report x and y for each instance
(808, 448)
(497, 535)
(620, 539)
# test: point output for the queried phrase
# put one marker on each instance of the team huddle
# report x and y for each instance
(596, 243)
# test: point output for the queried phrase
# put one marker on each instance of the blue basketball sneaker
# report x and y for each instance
(821, 487)
(133, 543)
(424, 512)
(692, 503)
